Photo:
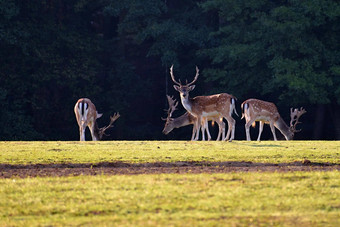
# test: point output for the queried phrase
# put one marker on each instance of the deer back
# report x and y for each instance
(260, 110)
(212, 104)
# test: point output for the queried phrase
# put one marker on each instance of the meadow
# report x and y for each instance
(305, 198)
(168, 151)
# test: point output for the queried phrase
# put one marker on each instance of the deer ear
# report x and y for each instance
(176, 87)
(99, 115)
(192, 87)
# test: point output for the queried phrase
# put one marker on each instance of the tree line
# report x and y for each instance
(118, 54)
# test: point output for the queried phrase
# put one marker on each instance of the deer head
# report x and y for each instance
(101, 131)
(169, 126)
(183, 89)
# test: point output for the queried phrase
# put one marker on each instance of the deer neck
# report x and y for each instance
(284, 129)
(187, 103)
(183, 120)
(96, 131)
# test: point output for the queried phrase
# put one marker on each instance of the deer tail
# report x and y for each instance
(244, 106)
(233, 101)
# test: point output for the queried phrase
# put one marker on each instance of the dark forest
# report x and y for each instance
(118, 54)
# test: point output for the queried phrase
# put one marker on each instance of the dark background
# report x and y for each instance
(118, 54)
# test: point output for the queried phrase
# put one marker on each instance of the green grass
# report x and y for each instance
(235, 199)
(231, 199)
(168, 151)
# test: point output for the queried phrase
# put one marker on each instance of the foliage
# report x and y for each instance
(118, 53)
(285, 48)
(56, 59)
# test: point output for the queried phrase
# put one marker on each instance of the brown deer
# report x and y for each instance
(188, 119)
(266, 112)
(207, 106)
(87, 115)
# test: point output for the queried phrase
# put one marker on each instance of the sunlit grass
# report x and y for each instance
(231, 199)
(168, 151)
(284, 199)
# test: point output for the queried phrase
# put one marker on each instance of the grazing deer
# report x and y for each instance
(188, 119)
(87, 116)
(266, 112)
(207, 106)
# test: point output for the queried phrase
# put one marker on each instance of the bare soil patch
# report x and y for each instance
(113, 168)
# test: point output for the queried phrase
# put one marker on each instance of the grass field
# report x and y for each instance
(168, 151)
(229, 199)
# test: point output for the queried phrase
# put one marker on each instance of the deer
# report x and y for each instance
(87, 115)
(206, 106)
(188, 119)
(266, 113)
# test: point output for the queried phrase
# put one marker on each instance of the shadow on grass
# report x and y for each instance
(123, 168)
(264, 145)
(259, 144)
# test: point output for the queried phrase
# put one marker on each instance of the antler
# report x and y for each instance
(179, 83)
(172, 106)
(294, 116)
(196, 76)
(112, 119)
(172, 76)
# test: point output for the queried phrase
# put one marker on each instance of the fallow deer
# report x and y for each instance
(266, 112)
(207, 106)
(188, 119)
(87, 115)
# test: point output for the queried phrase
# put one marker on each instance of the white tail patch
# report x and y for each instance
(83, 110)
(80, 107)
(232, 107)
(246, 106)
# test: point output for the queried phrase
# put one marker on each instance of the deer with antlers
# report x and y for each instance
(266, 112)
(87, 115)
(188, 119)
(201, 107)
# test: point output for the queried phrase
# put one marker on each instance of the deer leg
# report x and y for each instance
(223, 129)
(203, 132)
(228, 132)
(194, 129)
(206, 126)
(260, 130)
(231, 128)
(198, 126)
(247, 126)
(94, 137)
(273, 130)
(233, 122)
(82, 132)
(219, 131)
(203, 127)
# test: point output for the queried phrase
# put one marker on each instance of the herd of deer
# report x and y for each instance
(200, 110)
